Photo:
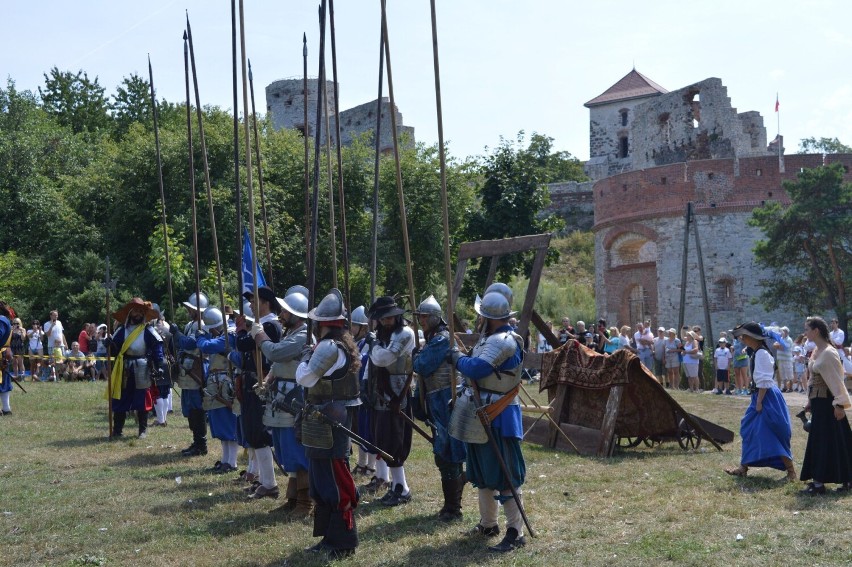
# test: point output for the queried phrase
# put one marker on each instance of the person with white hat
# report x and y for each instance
(722, 358)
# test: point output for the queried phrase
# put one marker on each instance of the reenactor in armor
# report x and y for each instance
(329, 372)
(436, 381)
(190, 379)
(366, 460)
(280, 390)
(255, 433)
(389, 382)
(138, 349)
(164, 380)
(494, 369)
(218, 392)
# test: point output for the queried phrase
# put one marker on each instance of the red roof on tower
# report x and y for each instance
(633, 85)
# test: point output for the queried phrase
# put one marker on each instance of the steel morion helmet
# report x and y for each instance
(503, 290)
(432, 308)
(297, 288)
(494, 306)
(295, 303)
(198, 303)
(212, 318)
(330, 308)
(359, 316)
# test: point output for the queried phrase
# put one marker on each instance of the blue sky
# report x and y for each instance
(505, 65)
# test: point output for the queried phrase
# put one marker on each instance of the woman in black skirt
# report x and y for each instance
(828, 456)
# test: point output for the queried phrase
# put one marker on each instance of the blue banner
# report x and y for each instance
(248, 280)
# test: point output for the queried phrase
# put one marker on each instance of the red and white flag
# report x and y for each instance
(777, 105)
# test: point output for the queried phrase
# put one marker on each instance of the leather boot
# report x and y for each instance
(304, 505)
(198, 425)
(290, 494)
(452, 499)
(118, 419)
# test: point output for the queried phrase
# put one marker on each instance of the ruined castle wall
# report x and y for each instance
(605, 128)
(573, 202)
(642, 212)
(285, 103)
(696, 122)
(362, 118)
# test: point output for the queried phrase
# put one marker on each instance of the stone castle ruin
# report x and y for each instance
(285, 103)
(652, 152)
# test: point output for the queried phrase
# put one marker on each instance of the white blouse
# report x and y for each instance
(764, 369)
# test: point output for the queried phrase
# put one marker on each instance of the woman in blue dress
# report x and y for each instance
(765, 427)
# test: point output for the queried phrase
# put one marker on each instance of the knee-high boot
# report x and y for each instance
(118, 419)
(453, 490)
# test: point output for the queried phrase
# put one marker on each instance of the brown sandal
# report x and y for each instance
(738, 471)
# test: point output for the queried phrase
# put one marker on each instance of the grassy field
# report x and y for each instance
(69, 497)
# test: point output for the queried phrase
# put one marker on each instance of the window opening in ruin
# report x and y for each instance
(623, 117)
(770, 193)
(758, 172)
(663, 181)
(637, 303)
(622, 147)
(696, 109)
(288, 102)
(301, 129)
(710, 176)
(725, 296)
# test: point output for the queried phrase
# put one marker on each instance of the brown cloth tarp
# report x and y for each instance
(646, 409)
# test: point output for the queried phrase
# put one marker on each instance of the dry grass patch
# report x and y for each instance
(72, 498)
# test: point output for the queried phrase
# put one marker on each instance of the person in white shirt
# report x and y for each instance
(784, 360)
(722, 357)
(644, 340)
(838, 337)
(56, 343)
(765, 428)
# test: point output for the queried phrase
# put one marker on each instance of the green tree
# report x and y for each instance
(513, 198)
(807, 247)
(823, 146)
(131, 103)
(421, 183)
(75, 100)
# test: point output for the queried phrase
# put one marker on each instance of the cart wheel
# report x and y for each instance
(628, 442)
(652, 441)
(687, 437)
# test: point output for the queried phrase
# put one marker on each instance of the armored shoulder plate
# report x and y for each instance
(496, 349)
(402, 341)
(324, 357)
(155, 334)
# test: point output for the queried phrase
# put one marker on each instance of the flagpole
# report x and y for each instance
(780, 142)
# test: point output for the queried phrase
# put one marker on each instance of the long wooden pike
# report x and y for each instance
(307, 136)
(332, 234)
(207, 183)
(191, 173)
(445, 209)
(312, 272)
(403, 219)
(260, 180)
(250, 186)
(155, 113)
(109, 286)
(341, 199)
(237, 188)
(378, 136)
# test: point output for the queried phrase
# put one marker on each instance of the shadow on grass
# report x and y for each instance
(238, 524)
(79, 442)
